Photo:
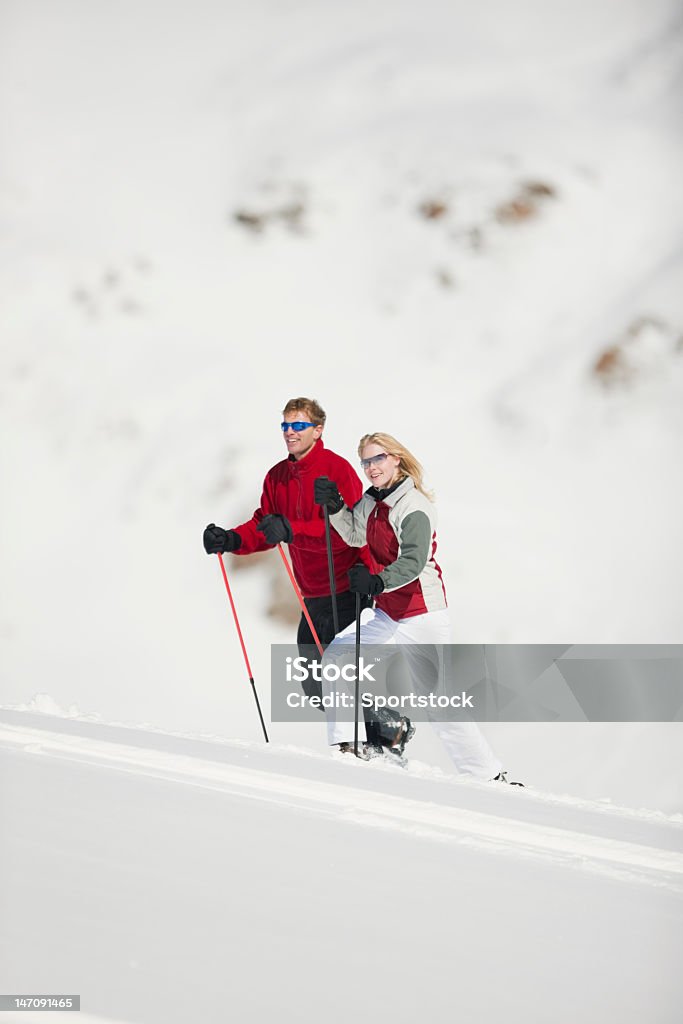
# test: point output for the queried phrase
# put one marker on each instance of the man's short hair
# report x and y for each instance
(313, 410)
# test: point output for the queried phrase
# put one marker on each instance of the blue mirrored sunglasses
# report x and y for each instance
(376, 460)
(298, 426)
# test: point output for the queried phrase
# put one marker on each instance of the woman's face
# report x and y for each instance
(380, 468)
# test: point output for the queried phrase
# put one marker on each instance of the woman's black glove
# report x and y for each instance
(276, 529)
(326, 492)
(218, 541)
(363, 581)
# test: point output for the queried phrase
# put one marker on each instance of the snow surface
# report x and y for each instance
(167, 878)
(149, 341)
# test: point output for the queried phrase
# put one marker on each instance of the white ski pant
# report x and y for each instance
(466, 745)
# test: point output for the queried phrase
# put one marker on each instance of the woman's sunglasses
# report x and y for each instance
(376, 460)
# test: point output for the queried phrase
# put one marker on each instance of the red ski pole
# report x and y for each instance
(244, 650)
(304, 609)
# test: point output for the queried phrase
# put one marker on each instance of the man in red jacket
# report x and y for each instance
(288, 513)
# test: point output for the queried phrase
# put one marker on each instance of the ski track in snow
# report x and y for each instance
(376, 799)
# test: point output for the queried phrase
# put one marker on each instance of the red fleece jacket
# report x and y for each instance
(288, 491)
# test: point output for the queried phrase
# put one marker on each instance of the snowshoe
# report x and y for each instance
(372, 751)
(502, 777)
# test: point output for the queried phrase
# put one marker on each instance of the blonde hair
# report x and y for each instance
(313, 409)
(408, 464)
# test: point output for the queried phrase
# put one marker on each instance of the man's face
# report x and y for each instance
(300, 442)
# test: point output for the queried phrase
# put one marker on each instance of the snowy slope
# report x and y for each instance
(165, 878)
(149, 339)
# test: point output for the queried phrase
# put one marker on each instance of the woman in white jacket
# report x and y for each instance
(396, 518)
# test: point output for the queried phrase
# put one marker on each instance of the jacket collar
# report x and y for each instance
(311, 462)
(390, 495)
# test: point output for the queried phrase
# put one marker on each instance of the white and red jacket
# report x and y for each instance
(399, 527)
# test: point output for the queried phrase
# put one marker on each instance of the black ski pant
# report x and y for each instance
(320, 610)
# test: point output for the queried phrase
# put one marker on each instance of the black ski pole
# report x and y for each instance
(357, 695)
(330, 566)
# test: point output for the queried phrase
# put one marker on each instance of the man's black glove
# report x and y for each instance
(276, 529)
(363, 581)
(218, 541)
(326, 492)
